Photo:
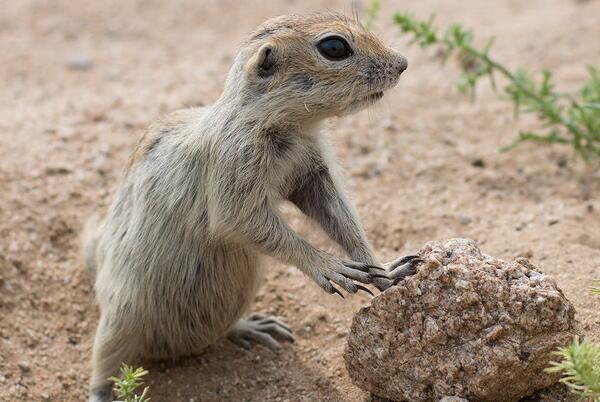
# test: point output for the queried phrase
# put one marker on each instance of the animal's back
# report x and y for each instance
(159, 260)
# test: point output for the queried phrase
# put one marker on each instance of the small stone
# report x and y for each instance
(479, 163)
(562, 162)
(57, 170)
(461, 328)
(390, 126)
(464, 220)
(24, 367)
(79, 62)
(527, 253)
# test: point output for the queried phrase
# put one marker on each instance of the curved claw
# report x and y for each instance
(407, 269)
(364, 289)
(335, 290)
(402, 261)
(356, 265)
(408, 258)
(397, 281)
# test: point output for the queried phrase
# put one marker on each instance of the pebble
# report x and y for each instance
(480, 163)
(24, 367)
(464, 220)
(79, 62)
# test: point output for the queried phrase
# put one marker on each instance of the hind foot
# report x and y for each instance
(102, 394)
(260, 329)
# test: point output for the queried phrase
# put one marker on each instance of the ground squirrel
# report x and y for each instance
(176, 258)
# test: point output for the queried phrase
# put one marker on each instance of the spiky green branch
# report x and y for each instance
(130, 380)
(568, 119)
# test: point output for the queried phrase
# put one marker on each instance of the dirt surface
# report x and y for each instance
(81, 80)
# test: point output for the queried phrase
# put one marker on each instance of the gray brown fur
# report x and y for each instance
(176, 258)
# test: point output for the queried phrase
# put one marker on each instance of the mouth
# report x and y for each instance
(374, 97)
(371, 98)
(364, 102)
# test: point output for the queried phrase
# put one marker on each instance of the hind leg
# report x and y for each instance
(260, 329)
(101, 394)
(111, 349)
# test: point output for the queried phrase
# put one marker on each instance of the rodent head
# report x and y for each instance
(312, 67)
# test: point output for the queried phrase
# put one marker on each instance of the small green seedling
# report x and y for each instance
(130, 381)
(580, 368)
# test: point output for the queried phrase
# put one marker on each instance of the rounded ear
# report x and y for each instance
(264, 62)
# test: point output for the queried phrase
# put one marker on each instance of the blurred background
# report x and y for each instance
(80, 80)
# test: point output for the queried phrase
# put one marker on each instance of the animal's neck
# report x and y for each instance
(255, 117)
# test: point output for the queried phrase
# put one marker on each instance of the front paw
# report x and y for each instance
(397, 270)
(403, 267)
(328, 269)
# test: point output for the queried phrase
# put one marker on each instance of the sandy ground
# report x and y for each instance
(423, 165)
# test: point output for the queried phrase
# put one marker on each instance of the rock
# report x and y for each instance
(24, 367)
(79, 62)
(465, 325)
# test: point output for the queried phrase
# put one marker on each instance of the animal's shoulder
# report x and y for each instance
(169, 125)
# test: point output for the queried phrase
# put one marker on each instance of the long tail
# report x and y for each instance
(89, 244)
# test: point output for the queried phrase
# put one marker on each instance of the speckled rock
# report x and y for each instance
(466, 325)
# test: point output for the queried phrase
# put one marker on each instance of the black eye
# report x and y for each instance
(334, 48)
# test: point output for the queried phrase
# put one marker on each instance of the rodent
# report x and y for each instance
(176, 257)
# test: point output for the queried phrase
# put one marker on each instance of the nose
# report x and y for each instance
(401, 64)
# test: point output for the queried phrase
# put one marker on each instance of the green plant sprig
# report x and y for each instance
(568, 119)
(580, 367)
(130, 380)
